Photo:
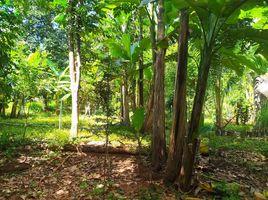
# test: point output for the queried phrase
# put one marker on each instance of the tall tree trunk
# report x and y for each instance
(148, 121)
(218, 104)
(121, 103)
(22, 105)
(3, 109)
(57, 104)
(191, 141)
(133, 95)
(140, 82)
(179, 121)
(74, 66)
(45, 99)
(125, 98)
(159, 140)
(14, 108)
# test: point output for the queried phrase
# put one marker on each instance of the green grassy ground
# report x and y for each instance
(251, 144)
(44, 127)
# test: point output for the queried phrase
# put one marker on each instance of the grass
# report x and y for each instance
(43, 127)
(254, 144)
(239, 128)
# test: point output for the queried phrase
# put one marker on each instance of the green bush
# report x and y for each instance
(36, 107)
(261, 125)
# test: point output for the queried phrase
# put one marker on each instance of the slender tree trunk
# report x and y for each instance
(45, 99)
(21, 110)
(121, 103)
(74, 88)
(57, 104)
(140, 82)
(218, 104)
(14, 108)
(191, 142)
(3, 109)
(133, 95)
(179, 121)
(159, 140)
(74, 66)
(125, 102)
(148, 122)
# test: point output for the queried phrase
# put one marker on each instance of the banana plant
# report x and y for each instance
(214, 19)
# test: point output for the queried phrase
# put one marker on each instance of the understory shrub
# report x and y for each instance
(261, 125)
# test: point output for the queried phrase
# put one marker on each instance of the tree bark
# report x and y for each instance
(45, 99)
(191, 141)
(158, 140)
(2, 108)
(218, 104)
(14, 108)
(179, 121)
(74, 66)
(57, 104)
(140, 82)
(133, 95)
(148, 122)
(125, 98)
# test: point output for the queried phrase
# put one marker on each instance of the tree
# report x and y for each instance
(213, 18)
(179, 121)
(158, 137)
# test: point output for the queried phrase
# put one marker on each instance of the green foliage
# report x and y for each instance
(36, 107)
(138, 119)
(227, 191)
(151, 192)
(257, 145)
(261, 125)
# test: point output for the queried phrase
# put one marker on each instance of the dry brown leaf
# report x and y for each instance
(192, 198)
(259, 196)
(206, 186)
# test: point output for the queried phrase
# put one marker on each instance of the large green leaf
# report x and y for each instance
(259, 14)
(127, 44)
(217, 6)
(117, 51)
(179, 4)
(138, 118)
(237, 62)
(118, 2)
(34, 59)
(260, 36)
(62, 3)
(135, 52)
(145, 43)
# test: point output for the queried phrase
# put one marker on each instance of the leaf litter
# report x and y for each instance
(62, 175)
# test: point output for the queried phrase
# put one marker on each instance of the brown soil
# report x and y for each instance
(48, 175)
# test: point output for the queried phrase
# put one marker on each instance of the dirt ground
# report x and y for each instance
(49, 175)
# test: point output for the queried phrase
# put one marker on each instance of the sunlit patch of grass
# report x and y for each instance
(43, 127)
(257, 145)
(239, 128)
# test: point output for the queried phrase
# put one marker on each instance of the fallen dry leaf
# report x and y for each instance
(259, 196)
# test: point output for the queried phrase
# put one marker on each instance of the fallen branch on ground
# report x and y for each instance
(102, 149)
